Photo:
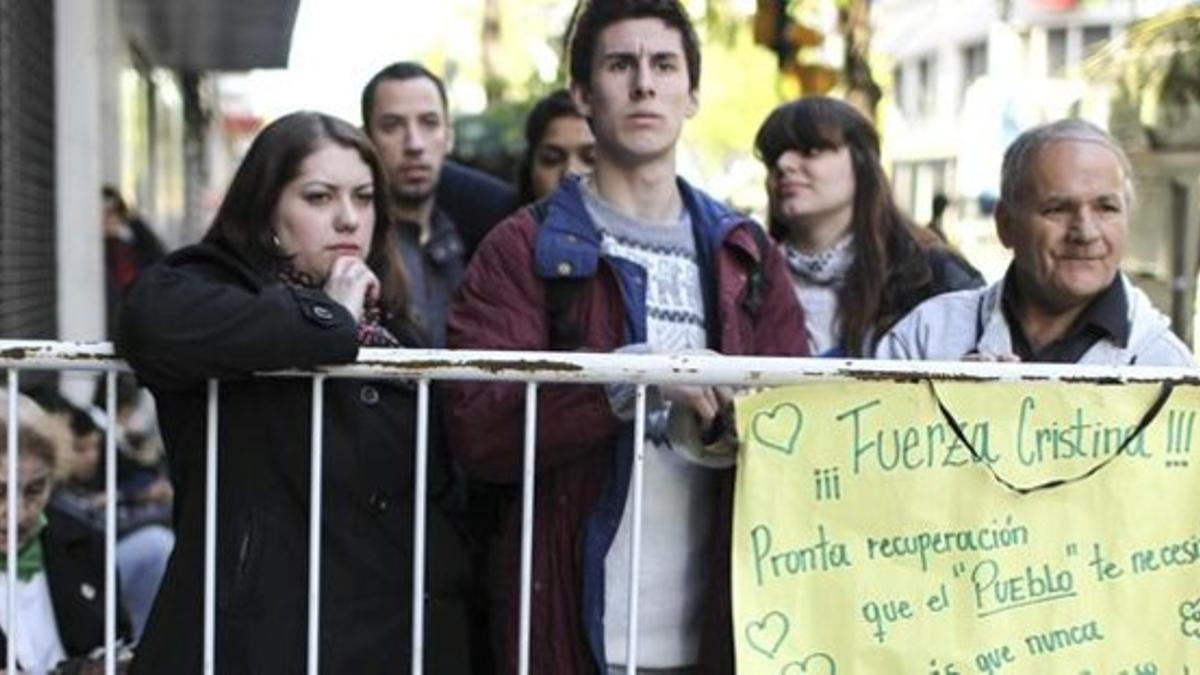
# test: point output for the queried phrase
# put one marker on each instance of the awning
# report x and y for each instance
(212, 35)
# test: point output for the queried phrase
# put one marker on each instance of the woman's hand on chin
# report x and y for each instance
(352, 284)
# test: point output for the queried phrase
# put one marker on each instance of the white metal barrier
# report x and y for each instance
(533, 368)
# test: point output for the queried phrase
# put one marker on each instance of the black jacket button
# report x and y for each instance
(368, 395)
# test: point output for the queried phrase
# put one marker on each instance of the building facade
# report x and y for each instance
(116, 92)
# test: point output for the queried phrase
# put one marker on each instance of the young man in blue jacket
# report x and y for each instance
(631, 259)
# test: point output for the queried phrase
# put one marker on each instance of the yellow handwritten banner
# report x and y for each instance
(872, 537)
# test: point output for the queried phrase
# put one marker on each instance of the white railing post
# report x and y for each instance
(210, 531)
(532, 368)
(527, 486)
(314, 524)
(110, 524)
(11, 520)
(635, 552)
(420, 494)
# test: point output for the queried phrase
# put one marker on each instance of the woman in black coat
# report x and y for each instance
(283, 279)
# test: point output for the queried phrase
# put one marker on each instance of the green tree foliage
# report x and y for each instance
(1156, 59)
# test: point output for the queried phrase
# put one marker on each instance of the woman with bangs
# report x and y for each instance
(858, 264)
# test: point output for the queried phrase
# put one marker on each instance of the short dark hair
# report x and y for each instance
(554, 105)
(115, 200)
(401, 70)
(1021, 156)
(597, 15)
(244, 220)
(940, 203)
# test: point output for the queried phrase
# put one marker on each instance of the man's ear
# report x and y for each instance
(1005, 224)
(449, 136)
(582, 98)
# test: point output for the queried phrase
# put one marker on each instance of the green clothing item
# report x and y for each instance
(29, 557)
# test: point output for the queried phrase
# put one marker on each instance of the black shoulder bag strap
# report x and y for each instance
(756, 289)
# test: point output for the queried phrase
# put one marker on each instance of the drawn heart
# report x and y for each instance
(766, 636)
(814, 664)
(778, 428)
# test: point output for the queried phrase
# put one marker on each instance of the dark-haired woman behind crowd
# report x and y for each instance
(558, 143)
(858, 264)
(294, 272)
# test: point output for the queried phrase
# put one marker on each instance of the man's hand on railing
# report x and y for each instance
(704, 401)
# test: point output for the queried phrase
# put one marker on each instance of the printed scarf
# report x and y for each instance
(371, 332)
(826, 268)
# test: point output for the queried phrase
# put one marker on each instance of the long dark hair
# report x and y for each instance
(889, 269)
(243, 223)
(554, 105)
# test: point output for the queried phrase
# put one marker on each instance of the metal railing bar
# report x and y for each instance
(596, 368)
(419, 515)
(527, 488)
(110, 524)
(635, 551)
(714, 369)
(210, 530)
(314, 524)
(10, 571)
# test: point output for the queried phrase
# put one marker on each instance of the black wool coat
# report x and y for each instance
(73, 555)
(202, 313)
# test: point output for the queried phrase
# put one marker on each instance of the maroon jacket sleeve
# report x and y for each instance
(501, 305)
(780, 328)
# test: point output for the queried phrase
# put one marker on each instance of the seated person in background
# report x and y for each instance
(60, 561)
(857, 263)
(144, 535)
(558, 143)
(1065, 194)
(144, 495)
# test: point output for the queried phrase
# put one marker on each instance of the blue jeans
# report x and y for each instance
(141, 561)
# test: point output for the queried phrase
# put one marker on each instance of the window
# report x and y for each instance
(926, 86)
(1068, 46)
(1056, 51)
(1093, 37)
(902, 97)
(915, 87)
(975, 64)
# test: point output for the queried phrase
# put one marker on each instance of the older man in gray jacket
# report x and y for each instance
(1065, 196)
